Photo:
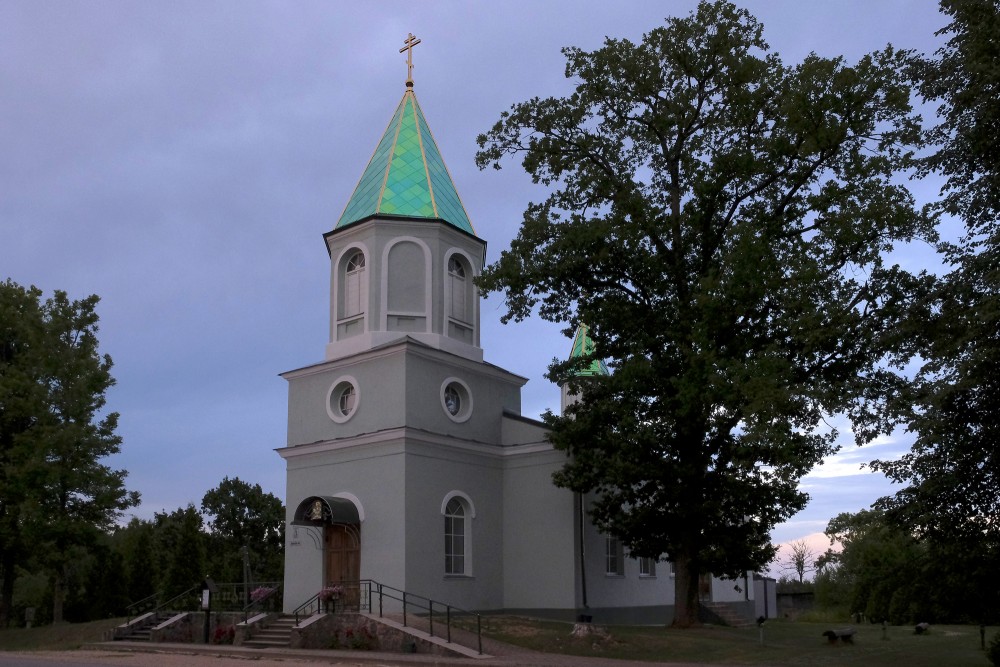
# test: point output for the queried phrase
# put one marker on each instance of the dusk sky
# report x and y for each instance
(182, 160)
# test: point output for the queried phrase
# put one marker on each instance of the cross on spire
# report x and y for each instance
(409, 43)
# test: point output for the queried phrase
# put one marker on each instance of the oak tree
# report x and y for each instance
(952, 473)
(56, 490)
(245, 522)
(719, 220)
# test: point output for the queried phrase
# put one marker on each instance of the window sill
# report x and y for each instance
(459, 576)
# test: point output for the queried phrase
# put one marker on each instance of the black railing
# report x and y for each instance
(307, 608)
(186, 601)
(226, 597)
(364, 595)
(262, 598)
(138, 608)
(237, 596)
(424, 606)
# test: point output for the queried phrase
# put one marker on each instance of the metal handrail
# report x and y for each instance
(177, 597)
(301, 609)
(259, 604)
(136, 607)
(408, 599)
(384, 592)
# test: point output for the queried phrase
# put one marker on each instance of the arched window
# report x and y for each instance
(458, 512)
(454, 537)
(352, 293)
(460, 299)
(353, 279)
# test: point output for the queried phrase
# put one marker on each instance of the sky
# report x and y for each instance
(182, 160)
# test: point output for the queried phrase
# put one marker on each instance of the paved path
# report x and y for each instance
(144, 654)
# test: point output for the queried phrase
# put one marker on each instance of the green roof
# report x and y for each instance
(406, 176)
(584, 347)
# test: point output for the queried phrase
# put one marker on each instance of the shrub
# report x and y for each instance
(224, 634)
(993, 651)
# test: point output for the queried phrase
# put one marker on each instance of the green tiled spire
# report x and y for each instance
(406, 176)
(583, 347)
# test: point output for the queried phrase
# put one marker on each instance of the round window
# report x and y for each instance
(342, 399)
(456, 399)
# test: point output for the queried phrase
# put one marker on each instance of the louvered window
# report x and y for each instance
(352, 285)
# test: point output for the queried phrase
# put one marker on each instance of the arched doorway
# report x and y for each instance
(341, 524)
(342, 561)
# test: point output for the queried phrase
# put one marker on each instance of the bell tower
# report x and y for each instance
(403, 254)
(402, 434)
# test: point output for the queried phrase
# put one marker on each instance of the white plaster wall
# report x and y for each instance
(432, 471)
(725, 590)
(492, 389)
(381, 401)
(604, 590)
(374, 474)
(540, 568)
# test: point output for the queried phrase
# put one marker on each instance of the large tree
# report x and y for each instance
(244, 522)
(879, 568)
(719, 220)
(952, 473)
(56, 492)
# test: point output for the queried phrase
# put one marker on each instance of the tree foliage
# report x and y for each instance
(952, 473)
(241, 516)
(879, 569)
(718, 219)
(875, 571)
(56, 492)
(181, 545)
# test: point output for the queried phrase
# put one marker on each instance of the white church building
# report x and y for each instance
(408, 460)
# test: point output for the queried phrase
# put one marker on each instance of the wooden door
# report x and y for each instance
(343, 562)
(705, 587)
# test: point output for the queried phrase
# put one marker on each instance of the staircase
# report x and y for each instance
(726, 614)
(277, 633)
(141, 632)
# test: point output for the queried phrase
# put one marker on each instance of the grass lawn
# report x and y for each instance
(55, 637)
(785, 643)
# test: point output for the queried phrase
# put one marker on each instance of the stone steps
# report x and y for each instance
(277, 633)
(730, 616)
(143, 631)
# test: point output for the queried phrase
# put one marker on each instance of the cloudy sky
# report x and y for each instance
(183, 159)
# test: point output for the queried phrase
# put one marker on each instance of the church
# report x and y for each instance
(408, 460)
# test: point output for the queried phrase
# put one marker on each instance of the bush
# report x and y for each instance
(224, 634)
(993, 651)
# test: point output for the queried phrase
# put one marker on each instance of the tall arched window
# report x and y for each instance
(458, 512)
(460, 299)
(454, 537)
(352, 294)
(353, 278)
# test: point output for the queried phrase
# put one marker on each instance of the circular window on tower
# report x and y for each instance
(456, 399)
(342, 399)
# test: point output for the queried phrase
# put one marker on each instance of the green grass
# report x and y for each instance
(785, 643)
(55, 637)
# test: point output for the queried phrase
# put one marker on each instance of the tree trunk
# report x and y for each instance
(7, 566)
(686, 601)
(58, 595)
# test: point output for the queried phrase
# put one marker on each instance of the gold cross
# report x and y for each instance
(410, 42)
